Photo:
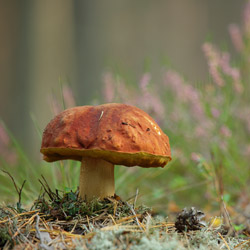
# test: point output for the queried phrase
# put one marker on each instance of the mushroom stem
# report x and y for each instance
(96, 179)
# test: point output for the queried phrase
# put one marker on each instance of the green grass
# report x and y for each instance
(60, 220)
(209, 129)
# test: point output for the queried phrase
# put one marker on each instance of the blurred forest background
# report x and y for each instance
(186, 63)
(76, 41)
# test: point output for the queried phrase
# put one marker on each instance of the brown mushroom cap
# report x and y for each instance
(118, 133)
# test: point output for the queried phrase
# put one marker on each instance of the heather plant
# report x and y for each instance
(209, 129)
(208, 124)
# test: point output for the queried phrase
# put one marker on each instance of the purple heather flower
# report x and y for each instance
(231, 71)
(213, 58)
(236, 37)
(200, 131)
(195, 157)
(144, 82)
(223, 145)
(225, 131)
(175, 82)
(149, 101)
(109, 87)
(123, 93)
(185, 93)
(218, 61)
(215, 112)
(152, 105)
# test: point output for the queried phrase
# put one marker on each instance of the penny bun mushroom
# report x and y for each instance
(101, 137)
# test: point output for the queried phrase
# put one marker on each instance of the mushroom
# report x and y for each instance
(101, 137)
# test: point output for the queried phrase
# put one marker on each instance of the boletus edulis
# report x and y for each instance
(103, 136)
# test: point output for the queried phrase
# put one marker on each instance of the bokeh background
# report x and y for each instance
(186, 63)
(45, 42)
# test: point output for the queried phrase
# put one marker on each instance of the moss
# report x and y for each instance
(5, 237)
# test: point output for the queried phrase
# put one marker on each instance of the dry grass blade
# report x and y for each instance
(64, 221)
(126, 219)
(242, 243)
(18, 215)
(30, 221)
(133, 211)
(224, 241)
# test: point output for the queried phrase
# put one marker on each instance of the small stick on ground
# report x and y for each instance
(133, 212)
(224, 241)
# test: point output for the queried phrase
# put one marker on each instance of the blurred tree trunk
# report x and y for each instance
(14, 62)
(52, 53)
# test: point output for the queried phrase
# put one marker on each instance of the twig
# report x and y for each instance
(126, 219)
(73, 229)
(19, 190)
(242, 243)
(47, 189)
(133, 212)
(90, 230)
(224, 241)
(18, 215)
(29, 221)
(112, 218)
(47, 185)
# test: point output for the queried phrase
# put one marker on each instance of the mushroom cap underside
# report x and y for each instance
(142, 159)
